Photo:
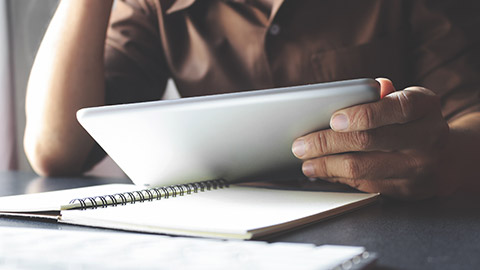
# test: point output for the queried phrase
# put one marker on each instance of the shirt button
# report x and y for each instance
(274, 29)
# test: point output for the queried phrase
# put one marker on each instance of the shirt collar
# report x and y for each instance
(179, 5)
(183, 4)
(276, 6)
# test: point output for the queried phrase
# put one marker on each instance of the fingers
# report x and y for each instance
(387, 146)
(395, 108)
(363, 165)
(420, 134)
(394, 174)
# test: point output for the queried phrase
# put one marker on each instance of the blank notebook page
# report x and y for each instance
(234, 210)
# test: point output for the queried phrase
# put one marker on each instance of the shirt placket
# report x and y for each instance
(272, 33)
(272, 30)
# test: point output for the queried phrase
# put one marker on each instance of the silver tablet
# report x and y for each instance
(238, 136)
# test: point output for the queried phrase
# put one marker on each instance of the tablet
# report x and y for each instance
(235, 137)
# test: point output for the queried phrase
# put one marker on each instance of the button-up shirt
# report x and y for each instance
(218, 46)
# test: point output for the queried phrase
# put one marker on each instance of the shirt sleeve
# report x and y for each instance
(135, 68)
(446, 53)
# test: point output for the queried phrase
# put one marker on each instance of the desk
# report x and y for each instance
(430, 234)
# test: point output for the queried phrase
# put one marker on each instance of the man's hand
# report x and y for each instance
(394, 146)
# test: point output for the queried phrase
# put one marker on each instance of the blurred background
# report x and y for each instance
(22, 25)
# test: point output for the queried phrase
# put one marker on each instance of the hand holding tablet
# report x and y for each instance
(395, 146)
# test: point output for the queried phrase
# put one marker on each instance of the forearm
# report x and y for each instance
(67, 75)
(462, 162)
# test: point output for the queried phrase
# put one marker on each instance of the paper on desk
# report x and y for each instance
(66, 249)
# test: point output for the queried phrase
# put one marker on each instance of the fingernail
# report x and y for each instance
(298, 148)
(339, 122)
(308, 169)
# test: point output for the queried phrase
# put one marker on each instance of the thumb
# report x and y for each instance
(386, 86)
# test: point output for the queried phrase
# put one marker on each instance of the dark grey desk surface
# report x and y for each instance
(430, 234)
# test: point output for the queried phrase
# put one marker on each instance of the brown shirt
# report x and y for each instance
(219, 46)
(215, 46)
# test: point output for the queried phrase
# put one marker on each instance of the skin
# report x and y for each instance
(400, 146)
(67, 74)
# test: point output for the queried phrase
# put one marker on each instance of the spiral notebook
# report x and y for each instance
(205, 209)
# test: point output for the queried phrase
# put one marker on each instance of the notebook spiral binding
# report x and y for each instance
(143, 195)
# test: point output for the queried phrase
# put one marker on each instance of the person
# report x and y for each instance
(422, 139)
